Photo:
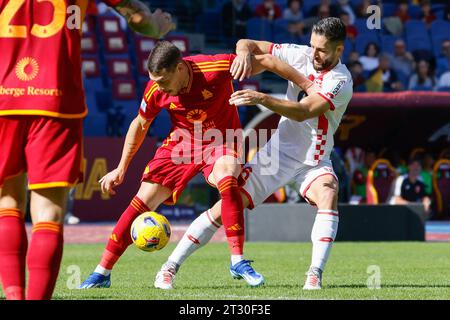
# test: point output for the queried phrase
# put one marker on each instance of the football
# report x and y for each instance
(150, 231)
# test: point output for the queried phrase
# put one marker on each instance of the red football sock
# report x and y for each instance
(13, 249)
(232, 214)
(120, 238)
(43, 259)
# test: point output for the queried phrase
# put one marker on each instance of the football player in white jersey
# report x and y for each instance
(300, 148)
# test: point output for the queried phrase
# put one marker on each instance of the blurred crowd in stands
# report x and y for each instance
(411, 51)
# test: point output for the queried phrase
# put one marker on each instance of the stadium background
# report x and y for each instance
(382, 121)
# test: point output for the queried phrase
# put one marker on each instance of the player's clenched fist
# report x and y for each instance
(246, 98)
(111, 180)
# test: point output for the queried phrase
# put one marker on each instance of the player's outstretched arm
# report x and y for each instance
(135, 136)
(143, 21)
(309, 107)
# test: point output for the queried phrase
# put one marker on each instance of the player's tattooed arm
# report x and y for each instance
(245, 48)
(309, 107)
(143, 21)
(133, 141)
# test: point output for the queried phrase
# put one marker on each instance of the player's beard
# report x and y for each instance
(326, 64)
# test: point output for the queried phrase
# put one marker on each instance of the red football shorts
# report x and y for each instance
(48, 149)
(169, 172)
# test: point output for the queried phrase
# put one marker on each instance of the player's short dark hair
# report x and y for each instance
(164, 55)
(332, 28)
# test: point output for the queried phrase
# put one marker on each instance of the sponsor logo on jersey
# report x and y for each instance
(27, 69)
(196, 115)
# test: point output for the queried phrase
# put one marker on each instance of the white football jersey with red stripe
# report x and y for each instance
(311, 141)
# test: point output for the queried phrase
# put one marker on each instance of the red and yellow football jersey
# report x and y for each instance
(40, 65)
(205, 101)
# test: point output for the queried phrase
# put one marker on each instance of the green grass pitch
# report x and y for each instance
(409, 270)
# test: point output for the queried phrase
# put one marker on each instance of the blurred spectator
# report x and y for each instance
(269, 10)
(427, 173)
(402, 11)
(402, 60)
(444, 80)
(324, 9)
(293, 14)
(235, 14)
(409, 188)
(445, 52)
(343, 176)
(115, 121)
(353, 57)
(359, 82)
(370, 59)
(383, 78)
(344, 6)
(360, 175)
(423, 77)
(361, 11)
(447, 12)
(352, 32)
(427, 15)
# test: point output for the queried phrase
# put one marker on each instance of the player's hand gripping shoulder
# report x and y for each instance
(143, 21)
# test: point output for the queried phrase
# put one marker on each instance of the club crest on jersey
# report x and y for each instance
(207, 94)
(196, 115)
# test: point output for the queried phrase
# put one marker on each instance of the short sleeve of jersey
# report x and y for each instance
(290, 53)
(337, 90)
(149, 109)
(222, 64)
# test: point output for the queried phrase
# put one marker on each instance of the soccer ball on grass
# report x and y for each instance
(150, 231)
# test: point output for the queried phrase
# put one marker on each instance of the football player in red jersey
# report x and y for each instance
(41, 110)
(195, 91)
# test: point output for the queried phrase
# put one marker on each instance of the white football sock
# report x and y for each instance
(197, 235)
(103, 271)
(236, 258)
(322, 236)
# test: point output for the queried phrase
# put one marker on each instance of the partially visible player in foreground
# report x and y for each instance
(195, 91)
(301, 145)
(41, 110)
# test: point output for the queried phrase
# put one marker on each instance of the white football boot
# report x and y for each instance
(313, 279)
(166, 276)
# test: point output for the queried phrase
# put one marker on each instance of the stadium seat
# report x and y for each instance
(90, 67)
(415, 27)
(143, 45)
(181, 42)
(89, 44)
(210, 24)
(389, 9)
(421, 88)
(443, 89)
(414, 11)
(380, 179)
(124, 89)
(110, 25)
(361, 25)
(115, 45)
(119, 68)
(441, 187)
(259, 29)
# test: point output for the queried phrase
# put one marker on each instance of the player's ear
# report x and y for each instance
(340, 49)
